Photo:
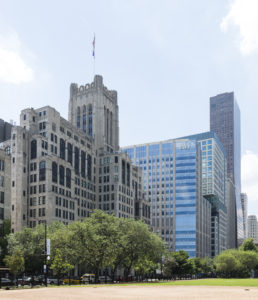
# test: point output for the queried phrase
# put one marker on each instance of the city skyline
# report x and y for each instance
(160, 75)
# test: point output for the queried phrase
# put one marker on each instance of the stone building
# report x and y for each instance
(5, 183)
(63, 170)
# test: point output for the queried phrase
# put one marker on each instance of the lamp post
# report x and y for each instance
(45, 265)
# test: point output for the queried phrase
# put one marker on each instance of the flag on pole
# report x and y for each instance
(93, 48)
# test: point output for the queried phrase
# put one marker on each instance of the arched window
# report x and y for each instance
(61, 175)
(68, 178)
(90, 120)
(78, 117)
(54, 172)
(33, 149)
(42, 170)
(62, 148)
(84, 119)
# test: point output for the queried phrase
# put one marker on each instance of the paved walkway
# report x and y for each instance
(133, 293)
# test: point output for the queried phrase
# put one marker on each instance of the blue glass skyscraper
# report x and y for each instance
(173, 184)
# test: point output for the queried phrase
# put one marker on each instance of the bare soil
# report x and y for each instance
(132, 293)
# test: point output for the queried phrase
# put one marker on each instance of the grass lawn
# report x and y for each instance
(207, 282)
(199, 282)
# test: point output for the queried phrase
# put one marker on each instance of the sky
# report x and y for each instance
(165, 58)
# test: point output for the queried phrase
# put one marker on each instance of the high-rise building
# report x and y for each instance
(244, 202)
(5, 183)
(225, 122)
(173, 185)
(231, 215)
(63, 170)
(214, 186)
(252, 228)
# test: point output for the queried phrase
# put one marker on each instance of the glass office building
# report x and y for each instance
(173, 184)
(225, 122)
(214, 186)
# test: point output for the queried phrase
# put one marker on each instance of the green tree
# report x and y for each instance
(15, 262)
(249, 259)
(227, 264)
(184, 266)
(5, 230)
(93, 242)
(249, 245)
(170, 266)
(59, 265)
(207, 266)
(31, 243)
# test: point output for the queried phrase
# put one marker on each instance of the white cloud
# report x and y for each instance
(250, 180)
(243, 14)
(13, 68)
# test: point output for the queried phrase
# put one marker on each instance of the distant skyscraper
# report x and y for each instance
(253, 228)
(244, 203)
(225, 122)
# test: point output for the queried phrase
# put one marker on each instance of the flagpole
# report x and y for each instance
(93, 54)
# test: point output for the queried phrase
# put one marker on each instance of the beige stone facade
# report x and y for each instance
(63, 170)
(5, 182)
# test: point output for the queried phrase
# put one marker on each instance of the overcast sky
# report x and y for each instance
(165, 59)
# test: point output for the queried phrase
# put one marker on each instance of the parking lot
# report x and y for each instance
(132, 293)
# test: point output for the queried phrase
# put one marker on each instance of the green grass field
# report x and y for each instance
(209, 282)
(199, 282)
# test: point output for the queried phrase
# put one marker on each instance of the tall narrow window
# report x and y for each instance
(70, 153)
(123, 172)
(90, 120)
(61, 175)
(76, 160)
(62, 148)
(42, 170)
(89, 167)
(33, 149)
(78, 117)
(111, 128)
(54, 172)
(128, 174)
(68, 178)
(84, 119)
(83, 160)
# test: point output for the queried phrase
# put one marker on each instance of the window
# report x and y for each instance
(62, 148)
(1, 165)
(61, 175)
(70, 153)
(2, 197)
(83, 160)
(76, 160)
(90, 120)
(68, 178)
(24, 117)
(54, 172)
(33, 149)
(84, 119)
(42, 171)
(89, 166)
(78, 117)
